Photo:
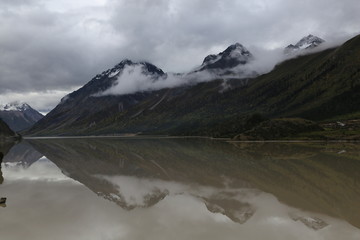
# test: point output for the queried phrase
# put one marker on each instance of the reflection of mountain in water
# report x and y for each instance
(5, 146)
(22, 154)
(313, 177)
(1, 175)
(236, 210)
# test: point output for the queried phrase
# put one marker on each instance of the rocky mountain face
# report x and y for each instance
(316, 86)
(227, 62)
(306, 43)
(19, 116)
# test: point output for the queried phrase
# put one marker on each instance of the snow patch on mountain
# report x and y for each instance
(239, 52)
(14, 106)
(115, 73)
(19, 115)
(233, 56)
(306, 43)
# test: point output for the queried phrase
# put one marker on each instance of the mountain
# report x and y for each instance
(5, 131)
(227, 62)
(94, 102)
(7, 136)
(306, 43)
(318, 86)
(90, 105)
(19, 116)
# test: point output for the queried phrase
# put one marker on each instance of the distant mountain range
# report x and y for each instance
(19, 116)
(316, 86)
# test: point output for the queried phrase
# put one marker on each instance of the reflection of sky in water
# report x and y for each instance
(45, 204)
(41, 170)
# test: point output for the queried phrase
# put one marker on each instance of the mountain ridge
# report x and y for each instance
(315, 86)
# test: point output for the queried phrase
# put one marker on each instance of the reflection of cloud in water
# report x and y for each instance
(183, 215)
(22, 154)
(73, 212)
(136, 192)
(184, 196)
(41, 170)
(63, 210)
(238, 205)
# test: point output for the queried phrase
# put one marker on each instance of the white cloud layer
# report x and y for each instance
(134, 78)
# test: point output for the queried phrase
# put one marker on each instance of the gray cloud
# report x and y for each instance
(58, 45)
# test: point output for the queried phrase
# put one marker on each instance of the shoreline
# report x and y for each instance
(134, 137)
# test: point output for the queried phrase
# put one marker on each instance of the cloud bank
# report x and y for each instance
(135, 77)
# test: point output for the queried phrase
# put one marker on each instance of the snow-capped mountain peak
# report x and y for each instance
(237, 51)
(148, 68)
(19, 115)
(14, 106)
(306, 43)
(126, 77)
(233, 56)
(309, 41)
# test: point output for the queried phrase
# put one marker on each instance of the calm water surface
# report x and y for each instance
(179, 189)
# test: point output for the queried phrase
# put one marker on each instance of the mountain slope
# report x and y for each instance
(88, 105)
(5, 131)
(317, 86)
(19, 116)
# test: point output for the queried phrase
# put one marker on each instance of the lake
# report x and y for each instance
(179, 188)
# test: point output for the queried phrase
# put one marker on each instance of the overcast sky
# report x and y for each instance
(48, 48)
